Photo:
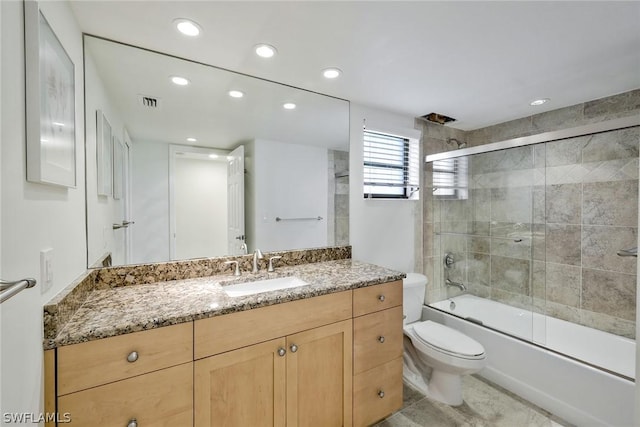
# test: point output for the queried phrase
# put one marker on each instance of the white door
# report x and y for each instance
(235, 201)
(126, 197)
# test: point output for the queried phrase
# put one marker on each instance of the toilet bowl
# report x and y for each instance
(435, 356)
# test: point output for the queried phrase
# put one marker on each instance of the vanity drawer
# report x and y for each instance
(376, 298)
(93, 363)
(377, 393)
(377, 338)
(224, 333)
(161, 398)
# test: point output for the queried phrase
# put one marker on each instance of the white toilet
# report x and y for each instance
(435, 356)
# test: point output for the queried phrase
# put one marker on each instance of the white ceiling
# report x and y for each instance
(480, 62)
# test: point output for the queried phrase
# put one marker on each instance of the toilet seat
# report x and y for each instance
(447, 340)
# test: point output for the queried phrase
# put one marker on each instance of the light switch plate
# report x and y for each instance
(46, 270)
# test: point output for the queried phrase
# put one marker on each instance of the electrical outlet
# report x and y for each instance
(46, 270)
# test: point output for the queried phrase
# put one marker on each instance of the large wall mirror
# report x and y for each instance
(204, 162)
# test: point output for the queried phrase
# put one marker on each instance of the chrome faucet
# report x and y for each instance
(257, 254)
(458, 285)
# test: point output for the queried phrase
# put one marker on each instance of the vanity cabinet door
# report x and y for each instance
(244, 387)
(319, 381)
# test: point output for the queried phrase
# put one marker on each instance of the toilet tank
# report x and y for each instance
(414, 287)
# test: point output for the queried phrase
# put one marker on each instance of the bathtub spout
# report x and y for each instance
(458, 285)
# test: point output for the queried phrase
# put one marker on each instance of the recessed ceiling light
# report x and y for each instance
(187, 27)
(537, 102)
(191, 139)
(180, 81)
(331, 73)
(236, 94)
(265, 50)
(213, 156)
(289, 106)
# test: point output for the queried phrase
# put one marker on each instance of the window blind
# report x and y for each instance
(390, 166)
(450, 178)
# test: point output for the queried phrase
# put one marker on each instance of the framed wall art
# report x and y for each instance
(50, 99)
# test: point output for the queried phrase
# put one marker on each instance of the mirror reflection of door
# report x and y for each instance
(126, 195)
(199, 181)
(236, 243)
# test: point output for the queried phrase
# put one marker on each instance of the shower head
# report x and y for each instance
(459, 144)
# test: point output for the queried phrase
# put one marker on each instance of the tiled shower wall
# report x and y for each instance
(338, 203)
(542, 223)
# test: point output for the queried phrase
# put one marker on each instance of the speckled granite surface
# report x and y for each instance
(112, 311)
(63, 306)
(191, 269)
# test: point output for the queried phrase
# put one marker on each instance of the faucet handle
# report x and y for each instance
(271, 269)
(237, 265)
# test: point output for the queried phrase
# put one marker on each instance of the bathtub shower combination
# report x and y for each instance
(537, 239)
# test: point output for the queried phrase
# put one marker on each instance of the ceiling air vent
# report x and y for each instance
(438, 118)
(150, 102)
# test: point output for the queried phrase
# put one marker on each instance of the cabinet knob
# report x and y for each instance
(381, 298)
(380, 339)
(380, 394)
(293, 348)
(133, 423)
(132, 357)
(281, 351)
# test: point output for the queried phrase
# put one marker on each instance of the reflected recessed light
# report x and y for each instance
(180, 81)
(289, 106)
(230, 158)
(187, 27)
(331, 73)
(213, 156)
(58, 124)
(265, 50)
(236, 94)
(191, 139)
(537, 102)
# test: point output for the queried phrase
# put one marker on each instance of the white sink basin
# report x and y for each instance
(259, 286)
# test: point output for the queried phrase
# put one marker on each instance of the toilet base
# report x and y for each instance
(442, 386)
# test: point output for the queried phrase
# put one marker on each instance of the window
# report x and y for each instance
(390, 166)
(450, 179)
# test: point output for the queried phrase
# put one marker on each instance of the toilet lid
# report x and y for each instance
(447, 339)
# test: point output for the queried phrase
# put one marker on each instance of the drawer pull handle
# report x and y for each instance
(381, 298)
(281, 352)
(380, 394)
(132, 357)
(293, 348)
(380, 339)
(133, 423)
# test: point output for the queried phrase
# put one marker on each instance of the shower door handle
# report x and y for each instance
(628, 252)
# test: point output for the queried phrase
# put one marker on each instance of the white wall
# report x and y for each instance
(150, 202)
(287, 181)
(34, 216)
(102, 211)
(200, 188)
(381, 232)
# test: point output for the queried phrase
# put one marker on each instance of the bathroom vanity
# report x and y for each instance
(184, 353)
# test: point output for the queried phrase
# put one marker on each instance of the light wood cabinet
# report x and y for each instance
(332, 360)
(319, 388)
(162, 398)
(94, 363)
(301, 379)
(244, 387)
(377, 352)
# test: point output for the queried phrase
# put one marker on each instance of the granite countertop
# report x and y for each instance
(120, 310)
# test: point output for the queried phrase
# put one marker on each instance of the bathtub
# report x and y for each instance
(580, 374)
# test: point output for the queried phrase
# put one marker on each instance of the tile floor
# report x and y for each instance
(485, 405)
